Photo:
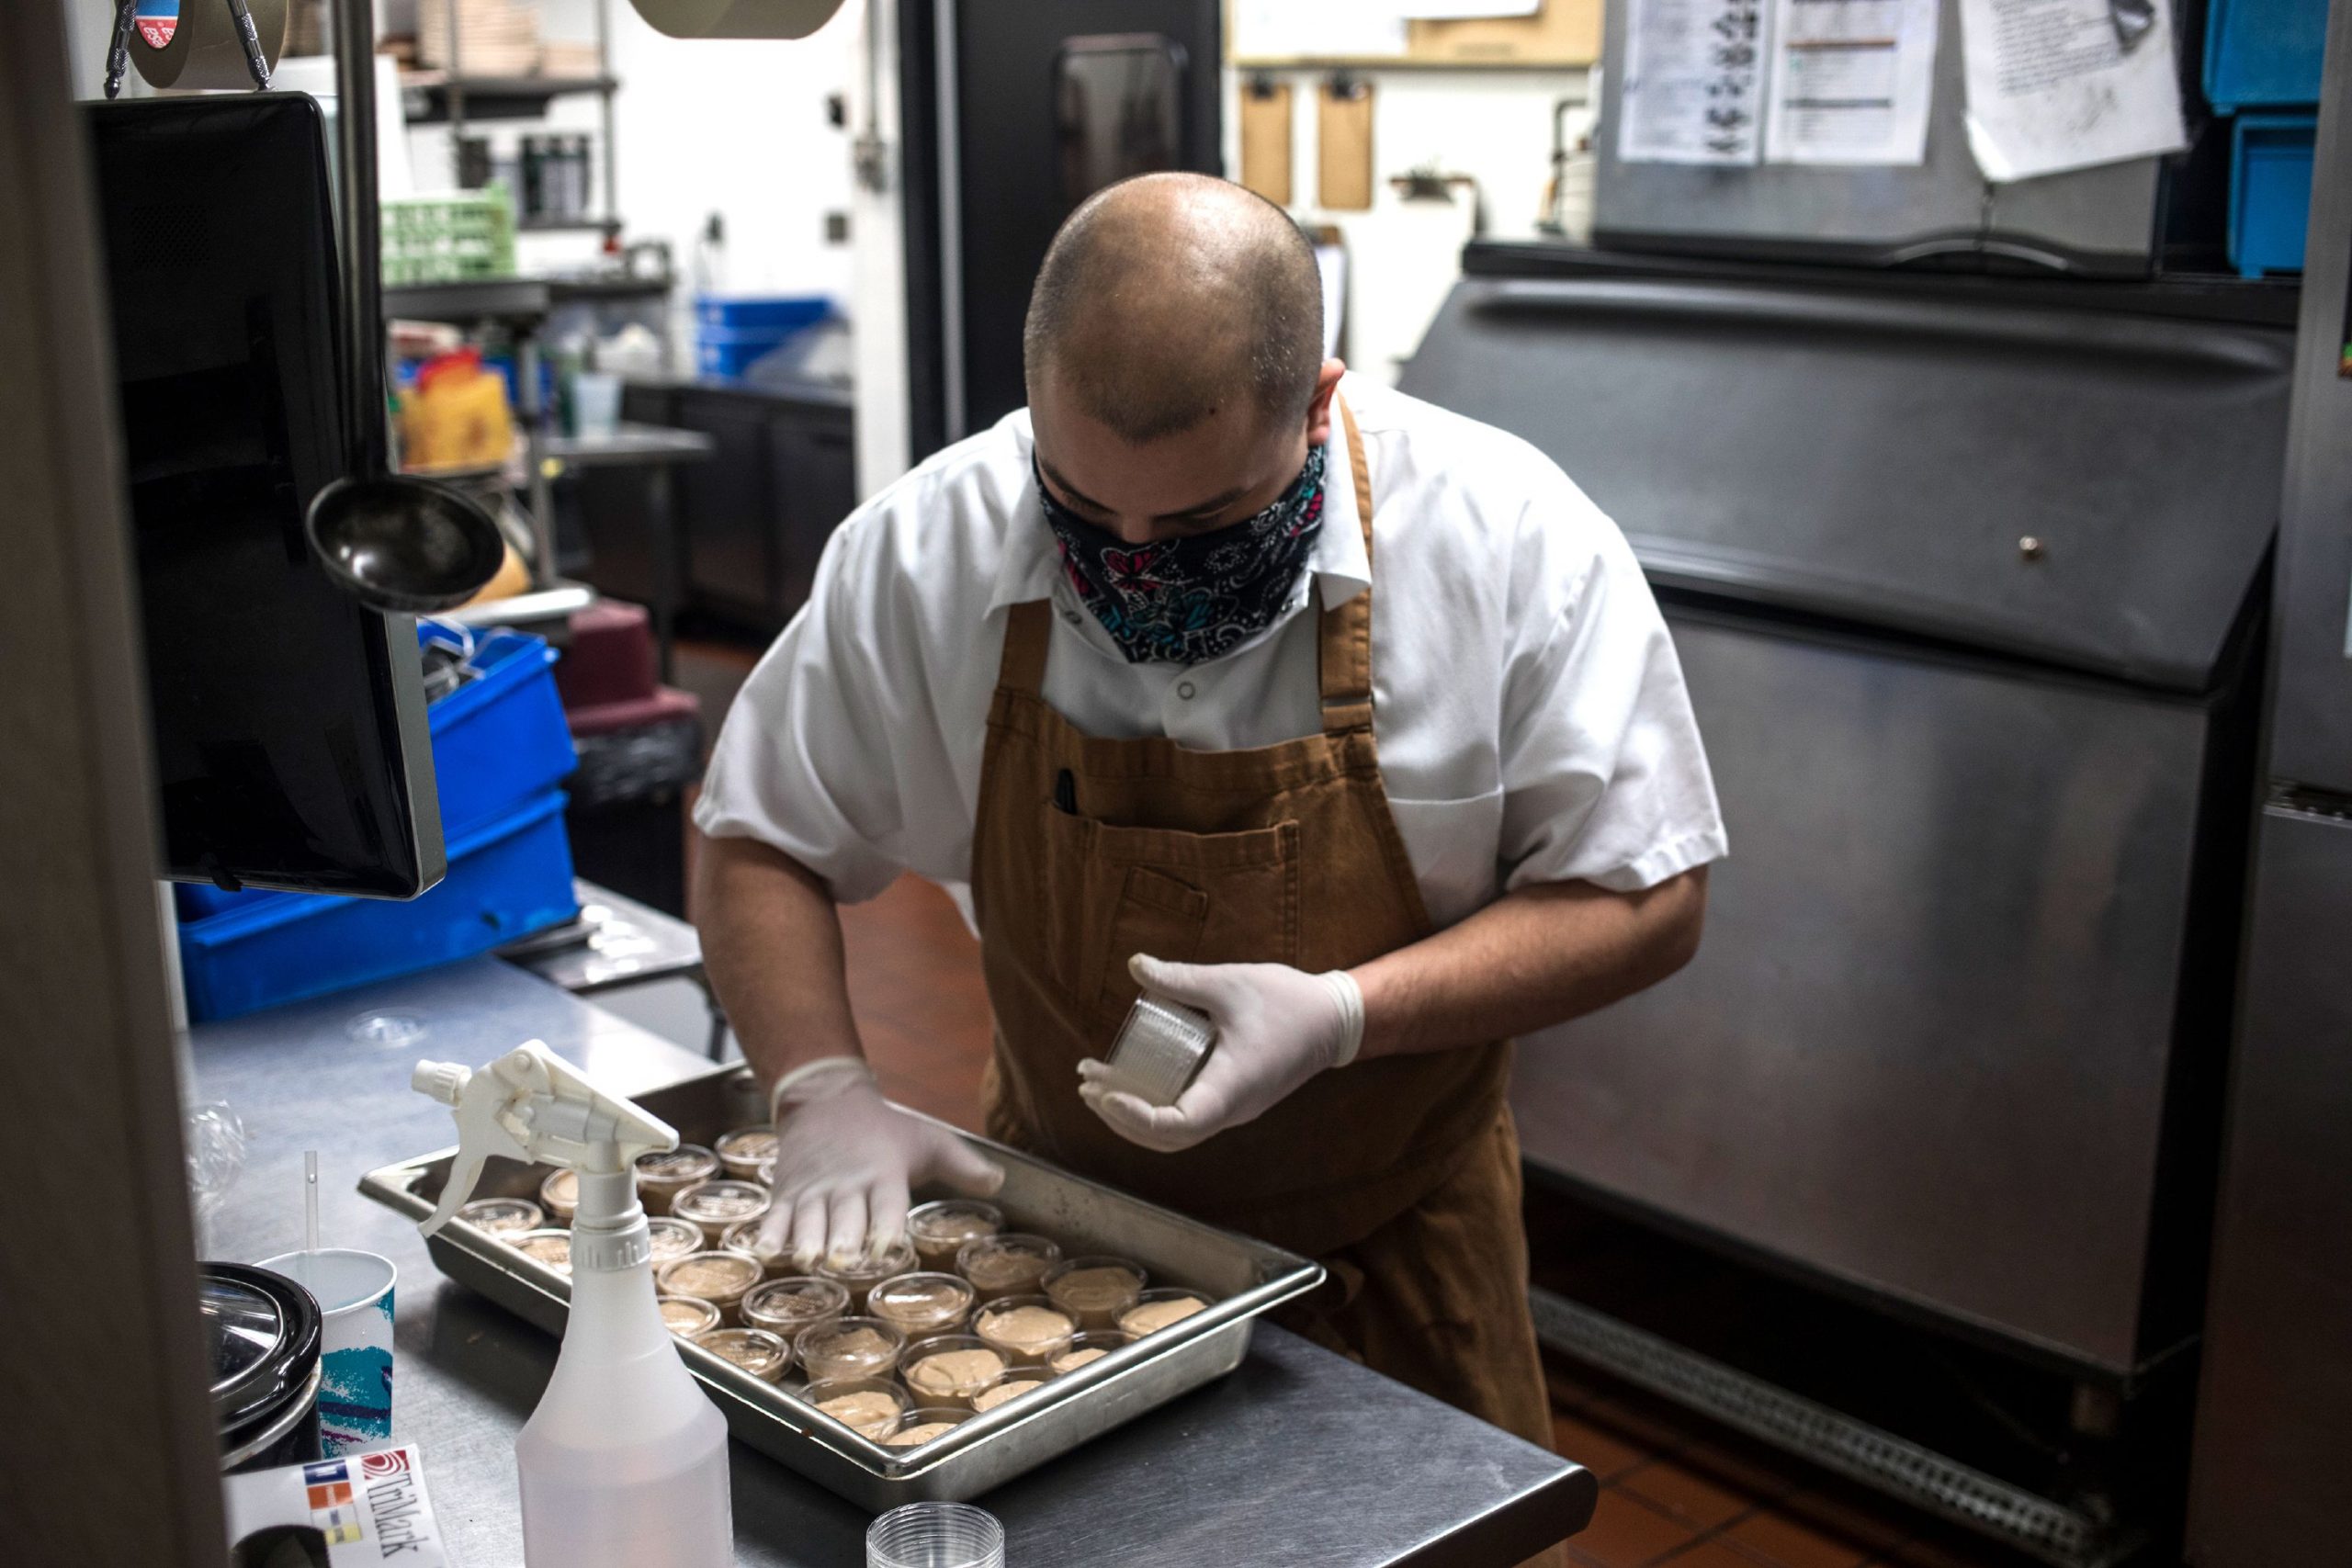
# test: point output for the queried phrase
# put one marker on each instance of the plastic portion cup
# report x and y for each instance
(949, 1370)
(1011, 1384)
(559, 1196)
(687, 1316)
(763, 1355)
(663, 1175)
(504, 1217)
(552, 1247)
(722, 1278)
(744, 1150)
(872, 1407)
(746, 1238)
(789, 1305)
(860, 1275)
(719, 1205)
(1159, 1309)
(919, 1425)
(935, 1535)
(673, 1238)
(1027, 1331)
(849, 1347)
(354, 1290)
(922, 1305)
(1095, 1290)
(1089, 1347)
(1011, 1265)
(939, 1230)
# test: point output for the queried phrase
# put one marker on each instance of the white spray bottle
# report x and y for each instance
(624, 1463)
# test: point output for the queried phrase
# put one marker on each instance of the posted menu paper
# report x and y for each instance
(1852, 81)
(2058, 84)
(1694, 82)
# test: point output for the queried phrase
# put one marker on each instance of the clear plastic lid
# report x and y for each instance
(1028, 1330)
(674, 1238)
(687, 1315)
(1010, 1384)
(552, 1247)
(872, 1407)
(744, 1150)
(922, 1304)
(743, 1237)
(667, 1170)
(719, 1277)
(757, 1351)
(1158, 1309)
(1159, 1048)
(504, 1216)
(789, 1305)
(939, 1230)
(1095, 1290)
(1089, 1347)
(849, 1347)
(560, 1193)
(862, 1274)
(919, 1425)
(950, 1369)
(719, 1204)
(1006, 1265)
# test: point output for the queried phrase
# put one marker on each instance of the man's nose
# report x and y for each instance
(1135, 533)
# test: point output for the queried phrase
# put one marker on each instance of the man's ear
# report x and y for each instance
(1318, 412)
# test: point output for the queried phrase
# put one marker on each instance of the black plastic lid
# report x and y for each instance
(262, 1330)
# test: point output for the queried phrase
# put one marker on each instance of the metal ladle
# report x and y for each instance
(391, 540)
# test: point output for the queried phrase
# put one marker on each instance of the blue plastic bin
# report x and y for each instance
(776, 314)
(2270, 191)
(498, 740)
(507, 878)
(2264, 53)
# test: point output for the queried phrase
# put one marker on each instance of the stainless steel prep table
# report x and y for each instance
(1298, 1458)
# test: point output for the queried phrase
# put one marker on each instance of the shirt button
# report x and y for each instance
(1185, 690)
(1070, 615)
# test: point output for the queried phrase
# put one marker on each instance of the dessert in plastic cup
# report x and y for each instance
(1027, 1331)
(687, 1315)
(939, 1230)
(860, 1274)
(742, 1152)
(552, 1247)
(559, 1196)
(504, 1217)
(786, 1306)
(1007, 1265)
(763, 1355)
(1089, 1347)
(919, 1425)
(1095, 1290)
(719, 1205)
(872, 1407)
(1159, 1309)
(663, 1175)
(1009, 1384)
(673, 1238)
(722, 1278)
(849, 1347)
(922, 1305)
(948, 1371)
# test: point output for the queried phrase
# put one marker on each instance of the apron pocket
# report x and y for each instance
(1157, 915)
(1229, 898)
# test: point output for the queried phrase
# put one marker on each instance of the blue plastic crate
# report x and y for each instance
(2264, 53)
(731, 359)
(2270, 191)
(776, 314)
(498, 740)
(507, 878)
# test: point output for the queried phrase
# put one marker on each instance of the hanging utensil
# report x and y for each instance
(393, 540)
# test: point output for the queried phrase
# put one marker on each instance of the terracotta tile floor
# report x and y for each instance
(1675, 1490)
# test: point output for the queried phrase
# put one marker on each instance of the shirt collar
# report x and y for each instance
(1031, 566)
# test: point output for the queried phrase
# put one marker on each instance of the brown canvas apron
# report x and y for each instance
(1401, 1173)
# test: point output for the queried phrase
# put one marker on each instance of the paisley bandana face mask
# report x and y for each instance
(1191, 598)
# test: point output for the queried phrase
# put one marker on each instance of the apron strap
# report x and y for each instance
(1027, 627)
(1344, 658)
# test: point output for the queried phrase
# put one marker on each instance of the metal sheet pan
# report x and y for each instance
(1246, 1276)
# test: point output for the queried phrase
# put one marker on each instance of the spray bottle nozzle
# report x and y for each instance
(534, 1106)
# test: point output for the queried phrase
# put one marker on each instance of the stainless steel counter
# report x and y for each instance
(1299, 1458)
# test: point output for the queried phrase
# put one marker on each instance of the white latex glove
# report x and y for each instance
(1276, 1028)
(846, 1159)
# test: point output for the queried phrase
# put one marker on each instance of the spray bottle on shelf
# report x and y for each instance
(624, 1463)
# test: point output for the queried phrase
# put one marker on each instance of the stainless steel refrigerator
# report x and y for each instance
(2271, 1482)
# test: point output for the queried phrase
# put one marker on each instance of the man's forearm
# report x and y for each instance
(772, 947)
(1533, 958)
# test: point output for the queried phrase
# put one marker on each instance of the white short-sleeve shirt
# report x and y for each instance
(1529, 709)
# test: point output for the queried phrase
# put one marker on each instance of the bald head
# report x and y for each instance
(1166, 297)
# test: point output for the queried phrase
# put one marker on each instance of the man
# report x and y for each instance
(1343, 719)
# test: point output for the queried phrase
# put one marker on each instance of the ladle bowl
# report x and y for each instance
(404, 544)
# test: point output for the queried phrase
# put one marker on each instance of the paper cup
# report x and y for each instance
(355, 1294)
